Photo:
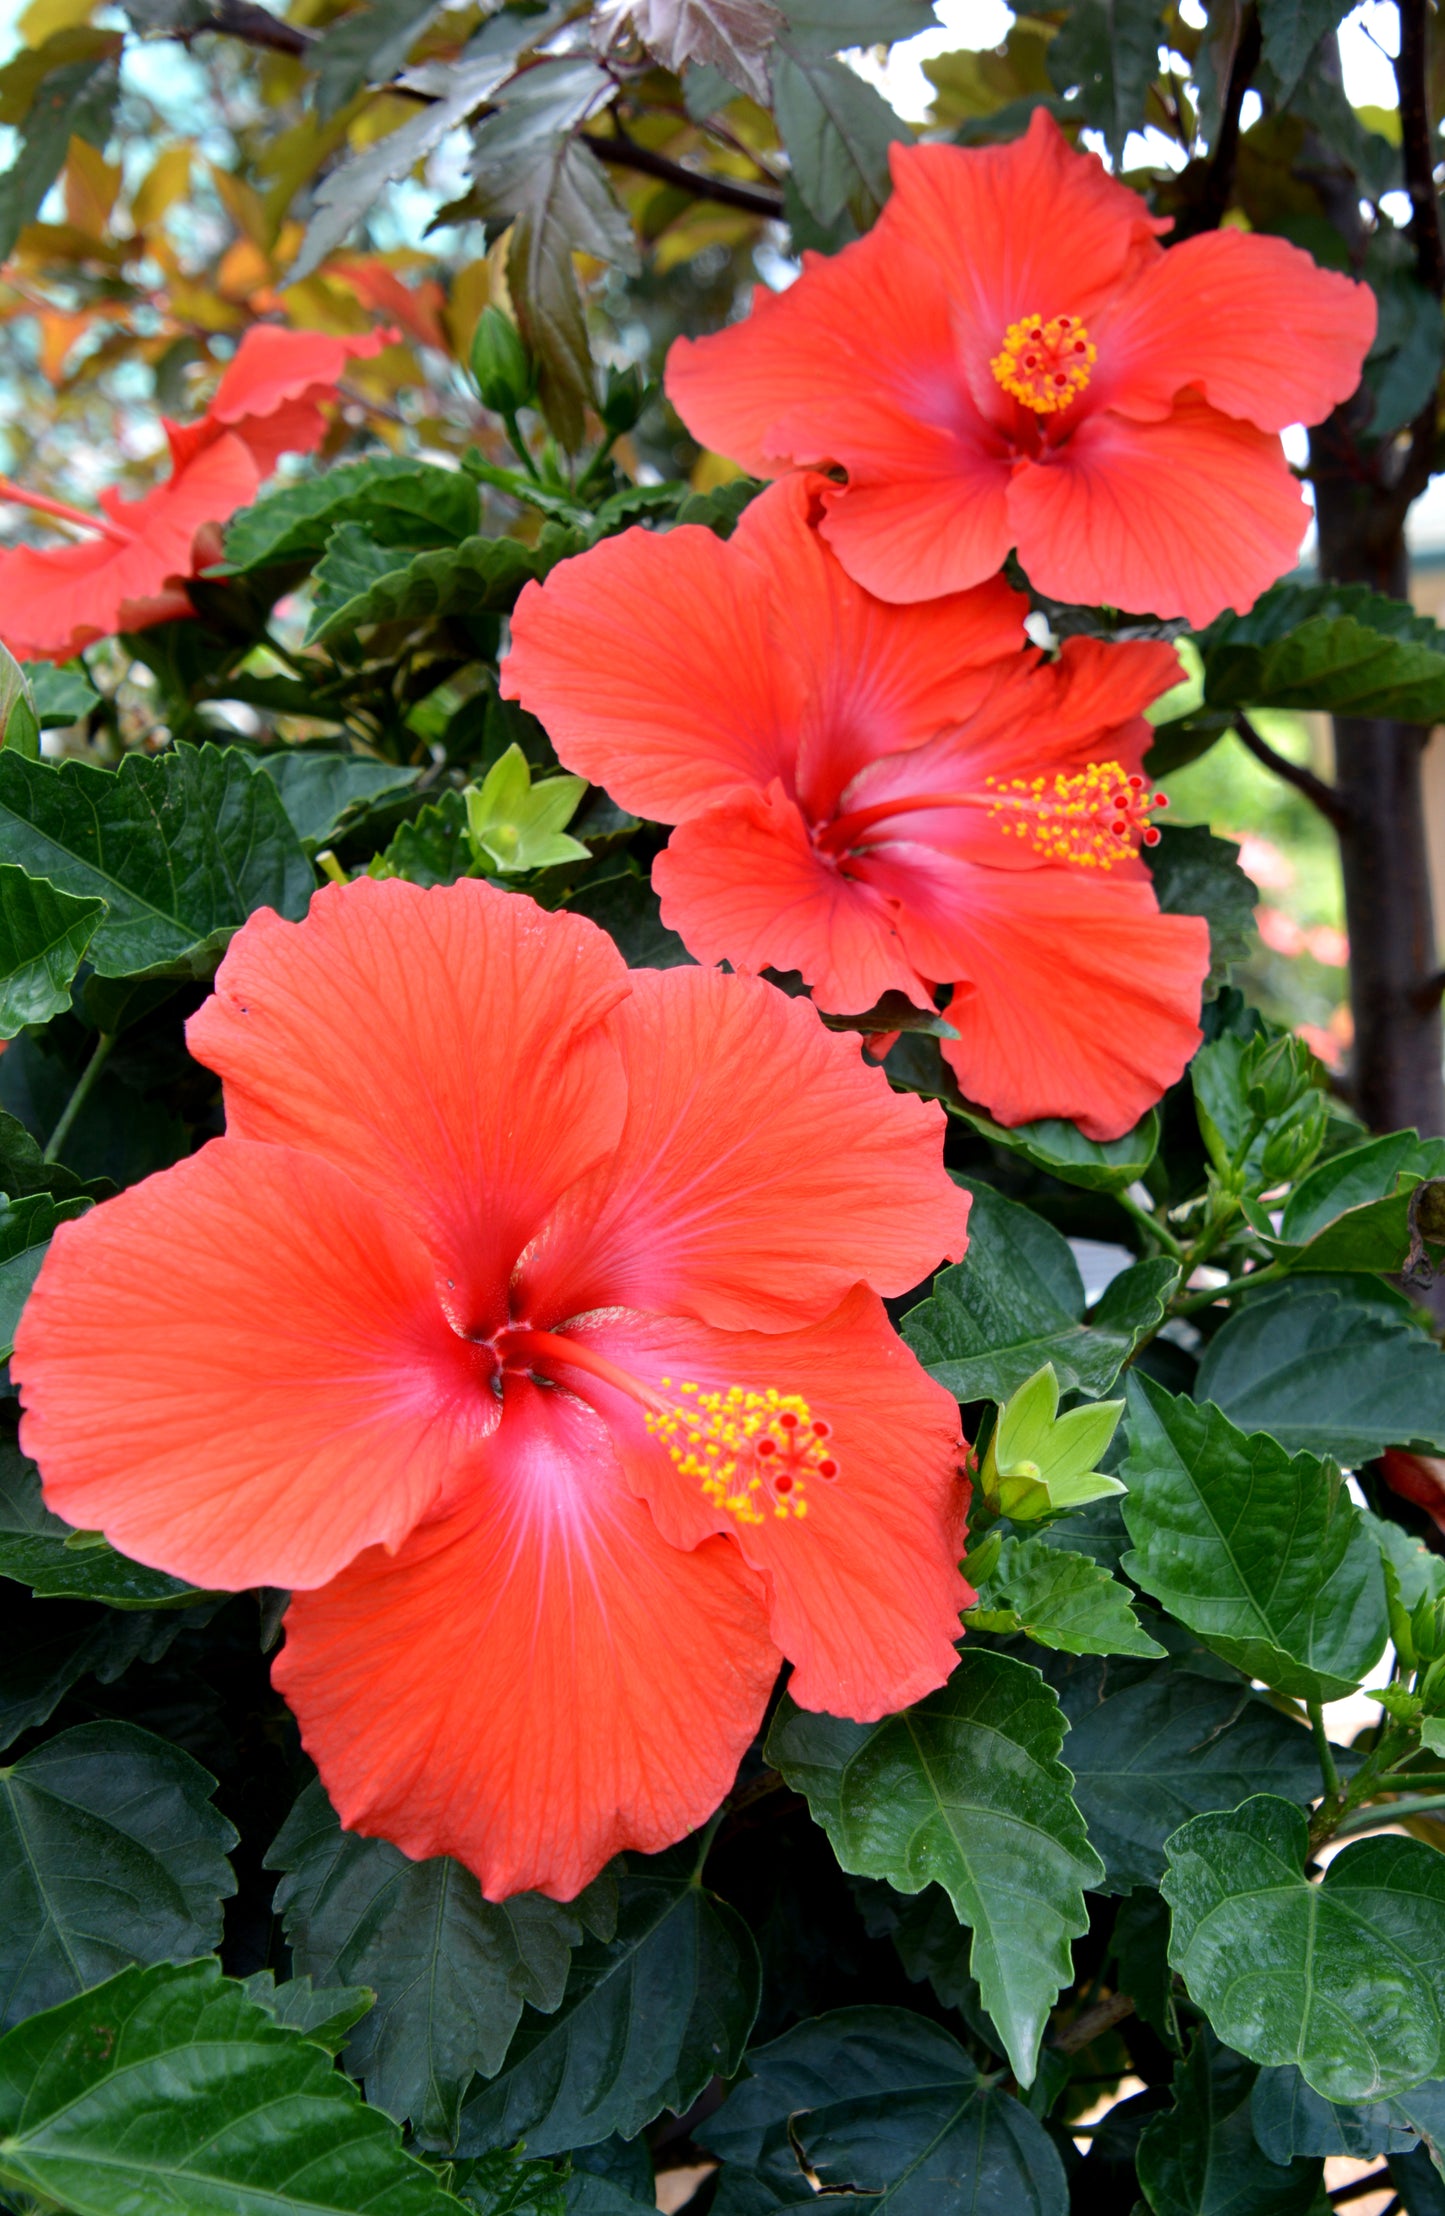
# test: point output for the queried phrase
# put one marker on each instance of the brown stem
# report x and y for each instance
(243, 19)
(625, 153)
(1417, 142)
(1093, 2023)
(1217, 185)
(1323, 796)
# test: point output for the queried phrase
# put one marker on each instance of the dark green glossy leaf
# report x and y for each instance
(886, 2110)
(1061, 1600)
(180, 846)
(360, 582)
(1196, 874)
(1261, 1553)
(1292, 30)
(450, 1970)
(43, 935)
(433, 848)
(837, 130)
(324, 2013)
(1100, 1166)
(965, 1788)
(1339, 648)
(1016, 1301)
(24, 1169)
(1107, 55)
(317, 790)
(508, 2183)
(1201, 2159)
(931, 1944)
(1336, 1366)
(110, 1853)
(62, 692)
(365, 48)
(1345, 1978)
(42, 1551)
(1141, 1957)
(1352, 1211)
(828, 26)
(647, 2018)
(1417, 2180)
(26, 1229)
(1151, 1747)
(626, 906)
(1289, 2118)
(398, 502)
(169, 2088)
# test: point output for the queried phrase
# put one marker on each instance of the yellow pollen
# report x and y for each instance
(750, 1452)
(1045, 363)
(1095, 818)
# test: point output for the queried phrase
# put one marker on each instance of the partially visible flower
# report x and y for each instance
(885, 798)
(526, 1326)
(1010, 359)
(130, 571)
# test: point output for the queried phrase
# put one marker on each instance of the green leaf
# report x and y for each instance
(1263, 1554)
(1196, 874)
(434, 848)
(836, 130)
(38, 1549)
(359, 582)
(1151, 1747)
(829, 26)
(1345, 1978)
(450, 1970)
(1140, 1943)
(647, 2019)
(73, 100)
(506, 2183)
(324, 2013)
(1416, 1571)
(1107, 53)
(397, 501)
(1061, 1600)
(625, 905)
(344, 196)
(882, 2105)
(1201, 2159)
(1341, 649)
(931, 1944)
(169, 2088)
(26, 1229)
(1334, 1366)
(365, 48)
(63, 693)
(1290, 2118)
(24, 1170)
(318, 790)
(51, 1645)
(1352, 1211)
(1016, 1301)
(1292, 30)
(967, 1789)
(181, 847)
(1100, 1166)
(110, 1853)
(43, 935)
(19, 720)
(1261, 1112)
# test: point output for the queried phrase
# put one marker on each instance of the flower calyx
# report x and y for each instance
(1040, 1464)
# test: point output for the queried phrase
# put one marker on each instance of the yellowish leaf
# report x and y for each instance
(167, 181)
(43, 17)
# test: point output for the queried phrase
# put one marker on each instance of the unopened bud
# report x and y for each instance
(504, 371)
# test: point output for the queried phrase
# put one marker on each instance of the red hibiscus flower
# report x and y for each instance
(130, 570)
(526, 1324)
(1010, 359)
(870, 795)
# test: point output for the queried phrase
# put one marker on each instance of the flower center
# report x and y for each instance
(1097, 817)
(749, 1451)
(1094, 817)
(1045, 363)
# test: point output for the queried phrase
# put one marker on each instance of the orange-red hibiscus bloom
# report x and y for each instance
(870, 795)
(130, 571)
(522, 1309)
(1011, 359)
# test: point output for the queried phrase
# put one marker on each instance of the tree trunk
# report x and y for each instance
(1394, 963)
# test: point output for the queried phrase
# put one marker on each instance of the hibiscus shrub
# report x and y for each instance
(699, 1428)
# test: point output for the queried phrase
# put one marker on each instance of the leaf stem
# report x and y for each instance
(519, 445)
(1148, 1221)
(80, 1095)
(1323, 1748)
(1229, 1288)
(1389, 1812)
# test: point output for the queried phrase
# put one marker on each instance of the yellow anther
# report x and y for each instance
(1045, 363)
(750, 1452)
(1095, 817)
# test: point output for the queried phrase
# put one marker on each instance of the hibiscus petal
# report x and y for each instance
(239, 1371)
(1103, 520)
(1078, 998)
(924, 512)
(1251, 321)
(745, 884)
(864, 1589)
(538, 1679)
(649, 661)
(444, 1047)
(273, 366)
(722, 1200)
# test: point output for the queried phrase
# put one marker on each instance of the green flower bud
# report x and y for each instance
(624, 396)
(1039, 1463)
(504, 371)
